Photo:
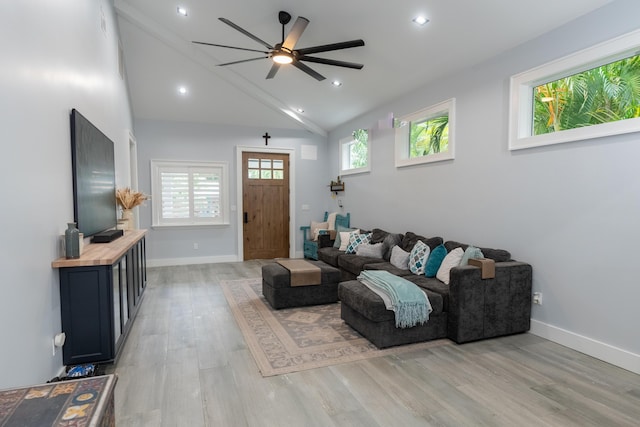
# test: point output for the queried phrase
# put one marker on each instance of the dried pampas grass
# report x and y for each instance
(128, 199)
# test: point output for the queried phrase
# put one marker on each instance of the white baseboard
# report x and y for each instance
(603, 351)
(165, 262)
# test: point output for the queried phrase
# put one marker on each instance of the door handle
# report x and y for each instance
(246, 218)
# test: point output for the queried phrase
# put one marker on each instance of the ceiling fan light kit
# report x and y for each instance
(284, 53)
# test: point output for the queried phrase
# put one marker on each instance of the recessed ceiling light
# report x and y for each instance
(336, 83)
(182, 90)
(300, 110)
(182, 11)
(420, 20)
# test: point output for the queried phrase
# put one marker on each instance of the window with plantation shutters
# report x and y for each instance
(189, 193)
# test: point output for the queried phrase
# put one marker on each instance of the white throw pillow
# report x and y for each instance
(399, 258)
(344, 239)
(316, 227)
(418, 257)
(452, 259)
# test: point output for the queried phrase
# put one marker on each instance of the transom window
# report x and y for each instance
(425, 136)
(355, 153)
(602, 94)
(265, 169)
(590, 94)
(189, 193)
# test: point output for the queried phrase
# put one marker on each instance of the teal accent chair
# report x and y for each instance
(310, 246)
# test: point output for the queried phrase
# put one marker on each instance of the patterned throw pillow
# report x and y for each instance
(356, 239)
(434, 261)
(399, 258)
(418, 257)
(451, 260)
(338, 242)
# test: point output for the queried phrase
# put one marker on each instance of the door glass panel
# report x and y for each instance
(254, 174)
(278, 174)
(124, 287)
(117, 326)
(253, 163)
(265, 163)
(265, 174)
(278, 164)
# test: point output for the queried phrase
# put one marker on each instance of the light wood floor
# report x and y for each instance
(185, 363)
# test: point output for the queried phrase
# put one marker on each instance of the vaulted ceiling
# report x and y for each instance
(398, 55)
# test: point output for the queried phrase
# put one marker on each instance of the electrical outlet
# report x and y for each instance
(195, 246)
(537, 298)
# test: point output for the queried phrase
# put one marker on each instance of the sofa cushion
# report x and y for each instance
(418, 257)
(389, 243)
(370, 305)
(387, 266)
(498, 255)
(329, 255)
(433, 285)
(435, 259)
(409, 240)
(452, 259)
(354, 264)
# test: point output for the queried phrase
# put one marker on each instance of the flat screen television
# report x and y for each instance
(94, 177)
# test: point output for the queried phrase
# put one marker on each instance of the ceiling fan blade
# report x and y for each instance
(231, 47)
(241, 61)
(295, 33)
(330, 62)
(274, 69)
(333, 46)
(246, 33)
(300, 66)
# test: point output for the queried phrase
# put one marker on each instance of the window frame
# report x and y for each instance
(521, 108)
(403, 128)
(341, 147)
(158, 166)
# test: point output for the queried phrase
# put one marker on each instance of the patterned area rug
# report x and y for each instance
(295, 339)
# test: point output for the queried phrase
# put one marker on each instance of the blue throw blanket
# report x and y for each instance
(409, 303)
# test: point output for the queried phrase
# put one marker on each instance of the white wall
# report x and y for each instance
(162, 140)
(55, 57)
(570, 210)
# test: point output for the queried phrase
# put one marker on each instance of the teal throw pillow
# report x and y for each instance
(471, 252)
(435, 259)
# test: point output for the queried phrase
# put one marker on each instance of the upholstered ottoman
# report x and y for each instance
(277, 289)
(364, 311)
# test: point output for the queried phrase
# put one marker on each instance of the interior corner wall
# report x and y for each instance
(571, 210)
(55, 56)
(163, 140)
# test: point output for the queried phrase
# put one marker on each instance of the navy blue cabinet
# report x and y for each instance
(100, 294)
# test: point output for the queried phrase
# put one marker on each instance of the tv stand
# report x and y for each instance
(107, 236)
(100, 294)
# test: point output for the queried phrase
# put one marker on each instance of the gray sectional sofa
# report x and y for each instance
(469, 308)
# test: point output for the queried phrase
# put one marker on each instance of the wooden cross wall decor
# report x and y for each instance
(266, 137)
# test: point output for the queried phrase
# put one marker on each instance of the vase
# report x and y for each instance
(127, 215)
(72, 241)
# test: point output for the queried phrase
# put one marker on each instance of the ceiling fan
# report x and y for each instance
(285, 52)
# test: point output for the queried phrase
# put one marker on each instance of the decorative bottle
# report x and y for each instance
(72, 241)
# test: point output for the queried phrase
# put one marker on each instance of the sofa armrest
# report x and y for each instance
(484, 308)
